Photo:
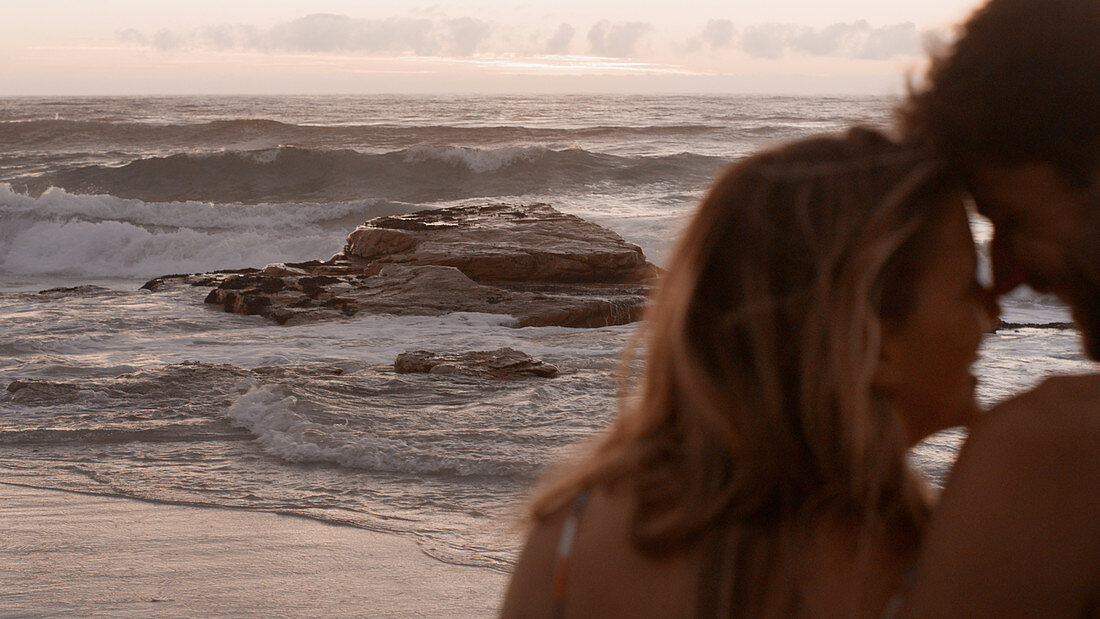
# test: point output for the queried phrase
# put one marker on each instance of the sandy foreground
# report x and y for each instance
(69, 554)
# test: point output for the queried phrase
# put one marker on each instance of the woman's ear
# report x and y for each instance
(889, 373)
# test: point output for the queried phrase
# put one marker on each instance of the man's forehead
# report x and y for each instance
(990, 185)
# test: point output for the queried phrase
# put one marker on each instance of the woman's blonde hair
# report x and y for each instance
(755, 413)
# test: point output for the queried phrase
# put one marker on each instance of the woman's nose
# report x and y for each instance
(1007, 272)
(991, 310)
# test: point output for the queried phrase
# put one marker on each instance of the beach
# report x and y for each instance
(74, 554)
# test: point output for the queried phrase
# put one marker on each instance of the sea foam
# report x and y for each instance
(105, 236)
(284, 431)
(477, 160)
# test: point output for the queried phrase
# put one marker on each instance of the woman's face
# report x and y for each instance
(926, 358)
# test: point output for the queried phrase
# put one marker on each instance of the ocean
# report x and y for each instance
(159, 397)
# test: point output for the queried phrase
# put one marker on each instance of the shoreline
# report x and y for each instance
(75, 553)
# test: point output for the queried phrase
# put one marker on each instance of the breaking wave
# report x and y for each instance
(106, 236)
(37, 134)
(415, 174)
(271, 414)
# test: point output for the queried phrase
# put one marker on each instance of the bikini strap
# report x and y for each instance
(565, 549)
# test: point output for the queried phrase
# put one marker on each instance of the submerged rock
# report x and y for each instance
(499, 363)
(532, 262)
(86, 290)
(34, 391)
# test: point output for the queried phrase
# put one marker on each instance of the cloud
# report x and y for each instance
(430, 33)
(163, 40)
(324, 32)
(617, 40)
(230, 36)
(767, 41)
(856, 39)
(559, 43)
(890, 41)
(718, 33)
(466, 35)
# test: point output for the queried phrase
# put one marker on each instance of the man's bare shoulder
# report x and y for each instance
(1037, 451)
(1015, 532)
(1057, 419)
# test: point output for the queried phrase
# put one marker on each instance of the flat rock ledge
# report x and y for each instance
(531, 262)
(1061, 326)
(499, 363)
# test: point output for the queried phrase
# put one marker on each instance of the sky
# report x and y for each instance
(129, 47)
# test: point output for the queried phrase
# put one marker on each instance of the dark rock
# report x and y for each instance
(74, 291)
(215, 278)
(1035, 325)
(250, 304)
(313, 285)
(500, 363)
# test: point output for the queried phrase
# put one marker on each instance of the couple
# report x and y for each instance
(818, 319)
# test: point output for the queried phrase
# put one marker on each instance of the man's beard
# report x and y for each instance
(1085, 293)
(1088, 318)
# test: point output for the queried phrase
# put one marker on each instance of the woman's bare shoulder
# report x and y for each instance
(606, 575)
(530, 592)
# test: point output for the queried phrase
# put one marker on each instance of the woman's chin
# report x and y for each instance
(973, 410)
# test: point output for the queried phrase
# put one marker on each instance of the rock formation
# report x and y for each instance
(531, 262)
(499, 363)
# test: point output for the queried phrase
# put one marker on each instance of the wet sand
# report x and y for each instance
(71, 554)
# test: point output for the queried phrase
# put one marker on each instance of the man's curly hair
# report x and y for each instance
(1021, 84)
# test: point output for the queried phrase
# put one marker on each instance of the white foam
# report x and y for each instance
(264, 156)
(1027, 306)
(114, 248)
(478, 160)
(58, 203)
(269, 413)
(103, 236)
